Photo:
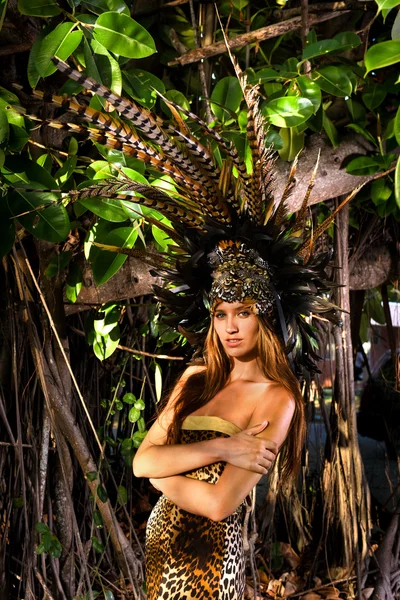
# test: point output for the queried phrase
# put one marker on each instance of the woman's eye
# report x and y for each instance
(245, 313)
(219, 315)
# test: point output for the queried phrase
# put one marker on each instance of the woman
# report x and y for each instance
(245, 389)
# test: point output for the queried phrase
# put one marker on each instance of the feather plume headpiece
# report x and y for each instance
(233, 241)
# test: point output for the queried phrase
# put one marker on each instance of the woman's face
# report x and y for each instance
(237, 328)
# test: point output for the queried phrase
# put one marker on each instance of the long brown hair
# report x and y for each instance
(202, 386)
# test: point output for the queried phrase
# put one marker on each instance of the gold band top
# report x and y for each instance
(204, 423)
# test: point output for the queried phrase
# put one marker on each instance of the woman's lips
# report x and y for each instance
(232, 343)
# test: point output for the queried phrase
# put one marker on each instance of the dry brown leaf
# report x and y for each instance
(263, 576)
(296, 580)
(276, 589)
(290, 588)
(311, 596)
(291, 557)
(331, 593)
(367, 593)
(317, 581)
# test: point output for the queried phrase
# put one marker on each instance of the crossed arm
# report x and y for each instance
(219, 501)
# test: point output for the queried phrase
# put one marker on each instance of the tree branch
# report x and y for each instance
(258, 35)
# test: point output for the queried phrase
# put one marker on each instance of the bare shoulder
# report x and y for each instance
(191, 370)
(275, 400)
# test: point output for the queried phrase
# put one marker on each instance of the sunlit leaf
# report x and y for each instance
(39, 8)
(227, 93)
(122, 35)
(289, 111)
(60, 42)
(382, 55)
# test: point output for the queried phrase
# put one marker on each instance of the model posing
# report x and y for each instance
(245, 389)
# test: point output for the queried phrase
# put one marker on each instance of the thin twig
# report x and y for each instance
(328, 585)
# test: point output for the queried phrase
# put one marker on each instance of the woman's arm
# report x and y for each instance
(156, 459)
(220, 500)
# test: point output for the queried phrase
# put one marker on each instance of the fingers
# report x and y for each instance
(256, 428)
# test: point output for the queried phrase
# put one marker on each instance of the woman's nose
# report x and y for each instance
(231, 326)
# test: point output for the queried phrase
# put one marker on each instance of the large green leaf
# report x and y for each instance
(109, 209)
(110, 70)
(107, 263)
(39, 8)
(122, 35)
(382, 55)
(397, 126)
(333, 80)
(179, 99)
(23, 172)
(340, 43)
(293, 142)
(50, 223)
(362, 165)
(396, 27)
(310, 90)
(227, 93)
(101, 6)
(143, 86)
(385, 4)
(4, 126)
(289, 111)
(319, 48)
(373, 95)
(61, 42)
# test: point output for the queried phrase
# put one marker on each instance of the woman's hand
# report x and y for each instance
(246, 451)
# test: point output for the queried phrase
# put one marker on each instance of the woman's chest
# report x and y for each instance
(231, 404)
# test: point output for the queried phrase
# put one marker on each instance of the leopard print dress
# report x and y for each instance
(192, 557)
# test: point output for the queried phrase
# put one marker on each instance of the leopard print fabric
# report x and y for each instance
(192, 557)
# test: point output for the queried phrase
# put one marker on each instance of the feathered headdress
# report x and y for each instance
(232, 239)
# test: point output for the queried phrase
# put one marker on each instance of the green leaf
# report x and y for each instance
(368, 136)
(227, 93)
(310, 90)
(122, 495)
(373, 95)
(102, 494)
(397, 183)
(158, 381)
(340, 43)
(58, 263)
(100, 6)
(61, 42)
(178, 98)
(106, 320)
(143, 86)
(38, 8)
(50, 223)
(382, 55)
(134, 414)
(109, 209)
(396, 27)
(74, 283)
(141, 425)
(98, 519)
(91, 475)
(42, 528)
(319, 48)
(108, 595)
(362, 165)
(380, 191)
(97, 545)
(109, 67)
(333, 80)
(139, 404)
(330, 130)
(262, 76)
(105, 345)
(138, 438)
(129, 398)
(122, 35)
(107, 263)
(385, 4)
(293, 142)
(289, 111)
(397, 126)
(4, 126)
